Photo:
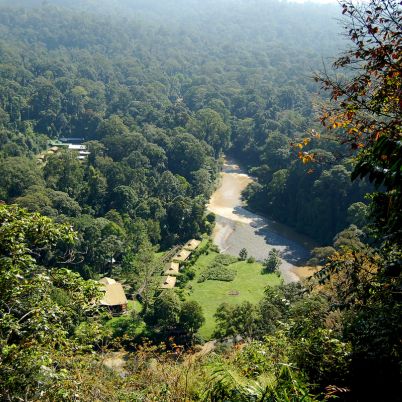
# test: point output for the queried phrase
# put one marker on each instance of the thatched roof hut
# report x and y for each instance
(169, 282)
(192, 244)
(182, 255)
(114, 296)
(172, 268)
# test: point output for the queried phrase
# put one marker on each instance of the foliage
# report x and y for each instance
(40, 306)
(319, 255)
(157, 97)
(217, 273)
(233, 320)
(243, 254)
(366, 111)
(224, 259)
(169, 316)
(227, 383)
(191, 317)
(218, 269)
(272, 263)
(366, 104)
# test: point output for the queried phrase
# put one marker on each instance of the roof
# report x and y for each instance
(114, 293)
(107, 281)
(76, 147)
(169, 282)
(172, 268)
(182, 255)
(192, 244)
(57, 143)
(72, 139)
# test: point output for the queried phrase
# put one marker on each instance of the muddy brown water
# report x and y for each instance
(237, 228)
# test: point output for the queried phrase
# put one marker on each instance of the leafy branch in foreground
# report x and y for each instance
(366, 107)
(39, 307)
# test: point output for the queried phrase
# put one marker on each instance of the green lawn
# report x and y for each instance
(134, 305)
(249, 282)
(131, 305)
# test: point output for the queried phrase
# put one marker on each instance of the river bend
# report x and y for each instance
(236, 227)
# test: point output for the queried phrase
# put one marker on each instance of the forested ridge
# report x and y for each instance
(157, 92)
(69, 75)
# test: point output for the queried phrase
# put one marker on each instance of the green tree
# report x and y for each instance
(209, 126)
(358, 214)
(191, 317)
(35, 322)
(141, 270)
(272, 263)
(97, 188)
(165, 314)
(17, 175)
(243, 254)
(64, 172)
(112, 127)
(242, 319)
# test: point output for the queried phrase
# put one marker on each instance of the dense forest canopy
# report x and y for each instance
(235, 79)
(155, 92)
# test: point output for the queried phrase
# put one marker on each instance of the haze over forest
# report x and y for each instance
(200, 200)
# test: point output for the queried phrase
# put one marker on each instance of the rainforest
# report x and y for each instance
(200, 200)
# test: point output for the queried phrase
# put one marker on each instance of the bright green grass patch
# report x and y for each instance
(120, 324)
(160, 254)
(131, 305)
(249, 283)
(204, 241)
(134, 305)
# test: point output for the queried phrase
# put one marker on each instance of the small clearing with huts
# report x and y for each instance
(72, 144)
(173, 267)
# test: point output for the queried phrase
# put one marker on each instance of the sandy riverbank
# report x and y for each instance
(236, 227)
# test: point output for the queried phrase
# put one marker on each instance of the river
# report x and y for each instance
(237, 228)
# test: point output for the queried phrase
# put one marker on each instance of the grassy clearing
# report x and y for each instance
(160, 254)
(131, 305)
(204, 241)
(134, 305)
(249, 283)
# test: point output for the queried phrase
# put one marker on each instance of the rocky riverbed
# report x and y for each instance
(237, 227)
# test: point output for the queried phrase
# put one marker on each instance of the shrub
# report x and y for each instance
(214, 248)
(243, 254)
(224, 259)
(217, 272)
(272, 263)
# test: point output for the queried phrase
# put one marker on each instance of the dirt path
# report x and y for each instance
(207, 348)
(116, 361)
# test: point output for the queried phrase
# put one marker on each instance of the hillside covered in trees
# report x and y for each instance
(242, 86)
(155, 92)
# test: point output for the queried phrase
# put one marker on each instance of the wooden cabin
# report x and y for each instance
(182, 255)
(169, 282)
(114, 298)
(172, 268)
(192, 244)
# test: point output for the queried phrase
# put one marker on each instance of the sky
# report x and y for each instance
(314, 1)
